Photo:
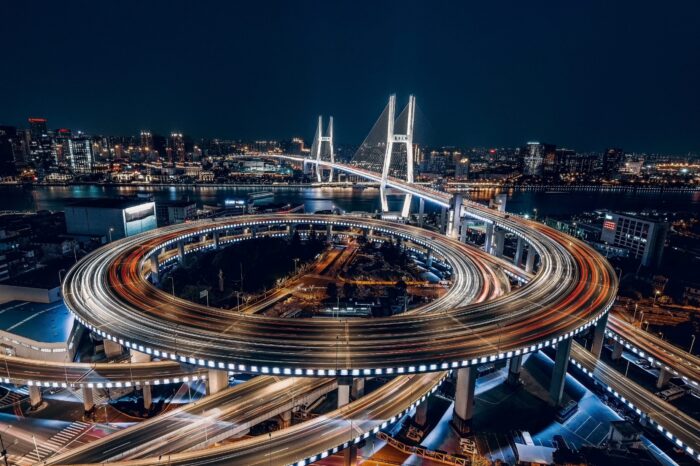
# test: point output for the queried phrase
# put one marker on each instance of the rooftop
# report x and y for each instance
(47, 323)
(117, 203)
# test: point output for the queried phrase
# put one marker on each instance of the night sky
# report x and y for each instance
(582, 74)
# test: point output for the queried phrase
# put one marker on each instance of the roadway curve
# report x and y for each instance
(575, 286)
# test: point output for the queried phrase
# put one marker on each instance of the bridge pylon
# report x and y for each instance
(405, 139)
(317, 146)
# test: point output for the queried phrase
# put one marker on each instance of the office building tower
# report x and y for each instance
(644, 238)
(612, 161)
(78, 154)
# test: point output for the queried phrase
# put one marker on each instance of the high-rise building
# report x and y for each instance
(8, 137)
(146, 142)
(644, 238)
(60, 145)
(533, 156)
(78, 154)
(612, 161)
(176, 148)
(41, 154)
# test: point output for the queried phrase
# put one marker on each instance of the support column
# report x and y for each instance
(181, 251)
(421, 417)
(519, 252)
(217, 380)
(463, 231)
(561, 361)
(599, 336)
(514, 366)
(88, 399)
(429, 258)
(456, 209)
(155, 271)
(286, 419)
(112, 348)
(344, 384)
(664, 377)
(34, 396)
(443, 219)
(617, 351)
(358, 387)
(216, 239)
(329, 233)
(499, 239)
(147, 397)
(464, 399)
(421, 211)
(488, 244)
(530, 261)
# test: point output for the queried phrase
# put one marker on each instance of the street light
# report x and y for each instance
(60, 279)
(634, 319)
(691, 344)
(656, 295)
(296, 262)
(109, 232)
(172, 281)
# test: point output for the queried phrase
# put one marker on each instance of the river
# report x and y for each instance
(348, 199)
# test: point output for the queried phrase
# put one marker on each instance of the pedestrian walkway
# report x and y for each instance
(47, 448)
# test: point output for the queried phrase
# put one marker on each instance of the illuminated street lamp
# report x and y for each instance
(691, 344)
(109, 232)
(656, 295)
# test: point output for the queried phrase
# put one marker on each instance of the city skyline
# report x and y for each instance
(483, 76)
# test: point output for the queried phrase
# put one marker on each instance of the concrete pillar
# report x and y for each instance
(499, 237)
(429, 258)
(217, 380)
(147, 397)
(181, 251)
(350, 456)
(421, 211)
(286, 419)
(617, 351)
(34, 396)
(530, 260)
(489, 238)
(664, 377)
(561, 361)
(216, 239)
(519, 252)
(137, 356)
(88, 399)
(358, 387)
(463, 231)
(329, 233)
(514, 366)
(203, 238)
(421, 417)
(456, 209)
(344, 384)
(599, 336)
(443, 219)
(464, 399)
(155, 271)
(112, 348)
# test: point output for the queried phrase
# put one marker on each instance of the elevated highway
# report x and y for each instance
(109, 293)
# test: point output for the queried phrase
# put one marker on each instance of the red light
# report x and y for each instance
(37, 120)
(608, 225)
(492, 151)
